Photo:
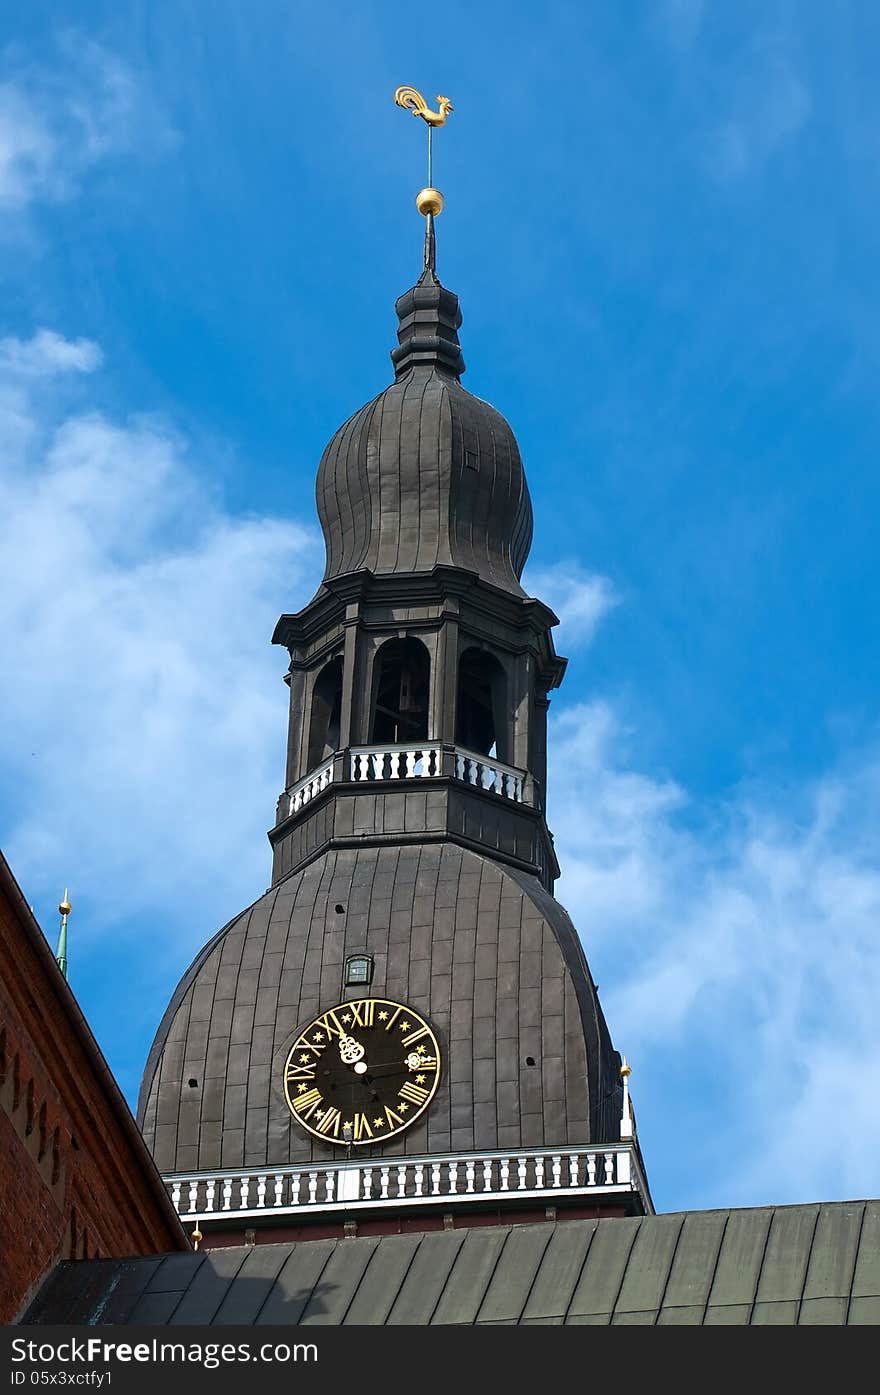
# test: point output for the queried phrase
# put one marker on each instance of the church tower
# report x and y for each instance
(403, 1032)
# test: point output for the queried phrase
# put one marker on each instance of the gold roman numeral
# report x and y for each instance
(363, 1012)
(305, 1105)
(361, 1128)
(416, 1094)
(299, 1073)
(394, 1016)
(331, 1024)
(330, 1121)
(394, 1119)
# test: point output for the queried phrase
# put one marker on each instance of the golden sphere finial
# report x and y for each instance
(429, 201)
(64, 906)
(625, 1069)
(196, 1238)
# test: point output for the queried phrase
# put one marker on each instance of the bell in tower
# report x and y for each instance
(403, 1030)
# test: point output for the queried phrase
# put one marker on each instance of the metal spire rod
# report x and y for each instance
(429, 201)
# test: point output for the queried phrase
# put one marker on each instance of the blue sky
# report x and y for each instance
(661, 222)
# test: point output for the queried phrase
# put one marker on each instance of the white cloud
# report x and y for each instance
(58, 121)
(767, 102)
(146, 702)
(48, 353)
(738, 951)
(580, 598)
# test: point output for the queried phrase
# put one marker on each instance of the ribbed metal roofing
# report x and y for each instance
(785, 1266)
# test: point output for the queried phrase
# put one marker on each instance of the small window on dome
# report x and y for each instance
(358, 969)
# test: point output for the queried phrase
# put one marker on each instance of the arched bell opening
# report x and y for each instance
(482, 717)
(324, 723)
(401, 690)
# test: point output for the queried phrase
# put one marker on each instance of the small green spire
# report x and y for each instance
(61, 957)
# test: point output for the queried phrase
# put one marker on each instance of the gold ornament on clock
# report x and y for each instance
(362, 1072)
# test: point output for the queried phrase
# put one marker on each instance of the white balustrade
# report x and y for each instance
(489, 774)
(306, 789)
(348, 1185)
(415, 761)
(394, 762)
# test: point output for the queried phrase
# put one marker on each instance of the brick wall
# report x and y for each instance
(76, 1180)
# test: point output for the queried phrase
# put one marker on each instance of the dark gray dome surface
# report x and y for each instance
(426, 473)
(481, 950)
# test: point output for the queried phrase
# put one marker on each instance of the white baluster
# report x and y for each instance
(175, 1196)
(394, 765)
(383, 1177)
(573, 1169)
(539, 1173)
(410, 764)
(435, 1179)
(521, 1170)
(279, 1188)
(419, 1174)
(557, 1169)
(469, 1175)
(244, 1189)
(609, 1169)
(505, 1174)
(209, 1195)
(227, 1193)
(459, 766)
(193, 1195)
(329, 1183)
(313, 1188)
(261, 1189)
(401, 1179)
(296, 1183)
(368, 1183)
(591, 1169)
(453, 1177)
(487, 1175)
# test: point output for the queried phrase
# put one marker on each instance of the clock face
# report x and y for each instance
(370, 1064)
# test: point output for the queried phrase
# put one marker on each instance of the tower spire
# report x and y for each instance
(429, 201)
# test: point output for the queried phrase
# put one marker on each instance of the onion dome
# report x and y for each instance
(426, 474)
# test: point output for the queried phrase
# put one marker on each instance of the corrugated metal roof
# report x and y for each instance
(774, 1265)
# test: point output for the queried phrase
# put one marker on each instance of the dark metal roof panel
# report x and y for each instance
(425, 1280)
(739, 1263)
(693, 1266)
(511, 1283)
(388, 1268)
(785, 1259)
(633, 1271)
(470, 1274)
(559, 1272)
(833, 1253)
(647, 1270)
(204, 1297)
(603, 1271)
(296, 1281)
(866, 1280)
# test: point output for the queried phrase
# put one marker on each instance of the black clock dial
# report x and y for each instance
(362, 1071)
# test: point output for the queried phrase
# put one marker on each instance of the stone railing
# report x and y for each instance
(489, 774)
(380, 1183)
(416, 761)
(306, 789)
(395, 762)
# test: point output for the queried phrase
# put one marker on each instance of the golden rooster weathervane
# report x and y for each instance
(429, 201)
